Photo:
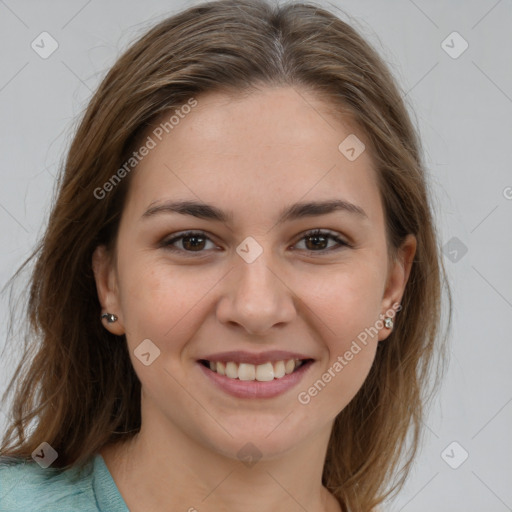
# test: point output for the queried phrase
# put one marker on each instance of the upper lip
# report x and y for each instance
(240, 356)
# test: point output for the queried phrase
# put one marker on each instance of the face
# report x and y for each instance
(257, 282)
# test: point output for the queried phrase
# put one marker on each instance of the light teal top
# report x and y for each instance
(27, 487)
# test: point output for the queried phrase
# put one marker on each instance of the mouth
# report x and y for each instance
(245, 380)
(266, 372)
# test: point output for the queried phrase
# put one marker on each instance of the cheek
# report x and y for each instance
(163, 302)
(346, 300)
(164, 305)
(346, 307)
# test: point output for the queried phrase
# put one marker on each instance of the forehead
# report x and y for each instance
(271, 146)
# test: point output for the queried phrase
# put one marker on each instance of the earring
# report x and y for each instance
(109, 317)
(388, 322)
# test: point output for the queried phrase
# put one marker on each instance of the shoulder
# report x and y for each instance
(24, 485)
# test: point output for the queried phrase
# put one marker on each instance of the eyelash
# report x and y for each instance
(167, 244)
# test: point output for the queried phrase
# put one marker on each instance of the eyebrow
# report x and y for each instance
(293, 212)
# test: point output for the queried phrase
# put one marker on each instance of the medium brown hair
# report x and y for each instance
(76, 379)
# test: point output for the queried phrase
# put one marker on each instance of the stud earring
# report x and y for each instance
(388, 322)
(109, 317)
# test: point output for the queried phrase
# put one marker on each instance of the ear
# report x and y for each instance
(108, 291)
(398, 274)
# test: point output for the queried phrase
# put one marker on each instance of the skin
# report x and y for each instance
(251, 155)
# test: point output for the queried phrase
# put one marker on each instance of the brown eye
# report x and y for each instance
(318, 241)
(190, 242)
(193, 242)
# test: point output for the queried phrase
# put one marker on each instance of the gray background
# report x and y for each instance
(463, 108)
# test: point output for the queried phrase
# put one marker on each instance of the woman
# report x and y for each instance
(238, 292)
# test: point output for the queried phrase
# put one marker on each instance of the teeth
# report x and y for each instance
(246, 371)
(265, 372)
(279, 369)
(232, 370)
(221, 368)
(262, 372)
(289, 366)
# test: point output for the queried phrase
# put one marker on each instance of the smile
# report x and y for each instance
(255, 381)
(261, 372)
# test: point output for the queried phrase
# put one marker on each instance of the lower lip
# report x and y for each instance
(256, 389)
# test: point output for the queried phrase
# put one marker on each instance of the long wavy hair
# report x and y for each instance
(75, 387)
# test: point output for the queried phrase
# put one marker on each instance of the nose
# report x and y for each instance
(256, 297)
